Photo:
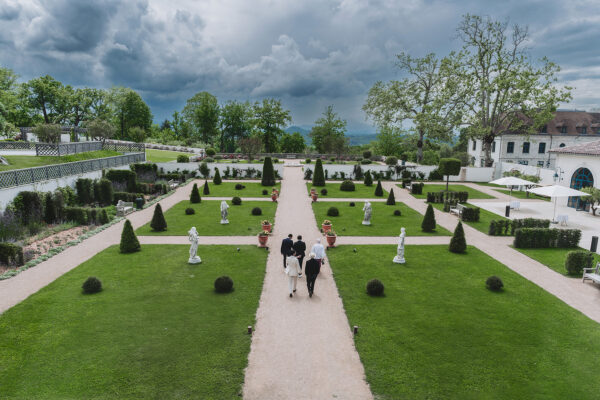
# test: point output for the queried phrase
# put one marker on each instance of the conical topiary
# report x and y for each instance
(268, 177)
(129, 242)
(195, 196)
(428, 224)
(206, 190)
(318, 176)
(379, 189)
(391, 200)
(368, 178)
(217, 178)
(458, 243)
(158, 222)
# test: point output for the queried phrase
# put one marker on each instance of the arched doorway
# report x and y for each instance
(580, 179)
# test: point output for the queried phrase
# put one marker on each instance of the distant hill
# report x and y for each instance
(356, 138)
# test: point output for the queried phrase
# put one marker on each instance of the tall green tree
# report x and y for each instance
(86, 104)
(430, 97)
(202, 111)
(292, 143)
(48, 97)
(14, 110)
(505, 91)
(329, 131)
(389, 141)
(270, 118)
(129, 110)
(100, 130)
(236, 124)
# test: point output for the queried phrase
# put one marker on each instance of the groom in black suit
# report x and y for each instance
(287, 247)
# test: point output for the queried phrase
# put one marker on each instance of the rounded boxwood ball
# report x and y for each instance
(397, 213)
(333, 212)
(236, 201)
(375, 287)
(223, 284)
(91, 285)
(324, 192)
(494, 283)
(256, 211)
(352, 204)
(265, 192)
(190, 211)
(239, 186)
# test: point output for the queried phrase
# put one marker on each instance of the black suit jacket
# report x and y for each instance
(313, 267)
(287, 245)
(300, 248)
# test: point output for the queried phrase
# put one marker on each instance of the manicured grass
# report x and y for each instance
(157, 330)
(485, 217)
(435, 187)
(19, 162)
(361, 192)
(554, 258)
(153, 155)
(523, 195)
(207, 219)
(227, 189)
(438, 333)
(383, 220)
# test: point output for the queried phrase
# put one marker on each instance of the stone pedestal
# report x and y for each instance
(224, 221)
(366, 222)
(194, 260)
(399, 260)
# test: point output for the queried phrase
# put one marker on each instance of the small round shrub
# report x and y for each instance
(275, 160)
(307, 161)
(332, 159)
(577, 260)
(209, 159)
(352, 204)
(367, 154)
(190, 211)
(210, 152)
(256, 211)
(375, 287)
(365, 161)
(324, 192)
(391, 160)
(236, 201)
(182, 158)
(91, 285)
(239, 186)
(347, 186)
(333, 212)
(494, 283)
(265, 192)
(223, 284)
(397, 213)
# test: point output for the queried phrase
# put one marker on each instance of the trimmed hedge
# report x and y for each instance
(470, 214)
(368, 178)
(85, 191)
(458, 243)
(347, 186)
(508, 227)
(79, 215)
(541, 238)
(416, 188)
(318, 175)
(103, 192)
(195, 195)
(182, 158)
(379, 189)
(428, 224)
(268, 176)
(11, 254)
(206, 189)
(577, 260)
(158, 222)
(122, 179)
(440, 197)
(217, 178)
(29, 207)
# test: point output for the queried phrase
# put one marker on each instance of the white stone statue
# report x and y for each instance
(367, 209)
(224, 212)
(193, 237)
(399, 259)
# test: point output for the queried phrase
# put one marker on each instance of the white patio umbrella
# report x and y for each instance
(512, 181)
(555, 191)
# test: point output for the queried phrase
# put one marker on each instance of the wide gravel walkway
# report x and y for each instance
(302, 347)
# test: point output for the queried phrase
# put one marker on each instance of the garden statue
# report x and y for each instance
(224, 212)
(367, 209)
(399, 259)
(193, 237)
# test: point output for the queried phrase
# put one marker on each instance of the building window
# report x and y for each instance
(526, 148)
(563, 129)
(474, 144)
(493, 147)
(562, 145)
(542, 148)
(545, 129)
(540, 163)
(584, 130)
(510, 147)
(523, 162)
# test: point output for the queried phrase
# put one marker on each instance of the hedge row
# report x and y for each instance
(416, 188)
(128, 197)
(470, 214)
(505, 227)
(11, 254)
(440, 197)
(86, 215)
(539, 238)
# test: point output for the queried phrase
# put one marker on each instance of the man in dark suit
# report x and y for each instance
(300, 248)
(312, 269)
(287, 247)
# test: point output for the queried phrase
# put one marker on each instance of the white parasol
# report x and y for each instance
(512, 181)
(555, 191)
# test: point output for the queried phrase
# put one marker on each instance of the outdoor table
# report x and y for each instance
(515, 205)
(562, 219)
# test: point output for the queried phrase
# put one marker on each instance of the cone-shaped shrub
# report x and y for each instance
(129, 242)
(268, 177)
(318, 176)
(379, 189)
(195, 196)
(217, 178)
(103, 217)
(391, 200)
(458, 244)
(368, 178)
(49, 209)
(428, 224)
(158, 222)
(206, 190)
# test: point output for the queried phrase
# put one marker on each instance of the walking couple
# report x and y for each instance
(293, 256)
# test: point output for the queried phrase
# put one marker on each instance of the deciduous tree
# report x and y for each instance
(270, 118)
(202, 112)
(329, 132)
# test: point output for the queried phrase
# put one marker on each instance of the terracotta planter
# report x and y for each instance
(326, 228)
(274, 197)
(331, 240)
(315, 196)
(267, 228)
(262, 240)
(313, 191)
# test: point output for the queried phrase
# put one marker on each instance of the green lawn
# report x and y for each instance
(157, 330)
(227, 189)
(383, 220)
(19, 162)
(156, 156)
(523, 195)
(485, 217)
(207, 219)
(554, 258)
(438, 333)
(361, 192)
(435, 187)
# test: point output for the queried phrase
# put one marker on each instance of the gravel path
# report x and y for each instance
(302, 347)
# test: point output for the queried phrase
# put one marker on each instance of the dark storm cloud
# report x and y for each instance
(310, 54)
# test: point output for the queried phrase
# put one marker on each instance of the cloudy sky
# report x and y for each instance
(308, 53)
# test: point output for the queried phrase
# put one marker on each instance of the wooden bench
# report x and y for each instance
(124, 208)
(172, 184)
(593, 274)
(457, 210)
